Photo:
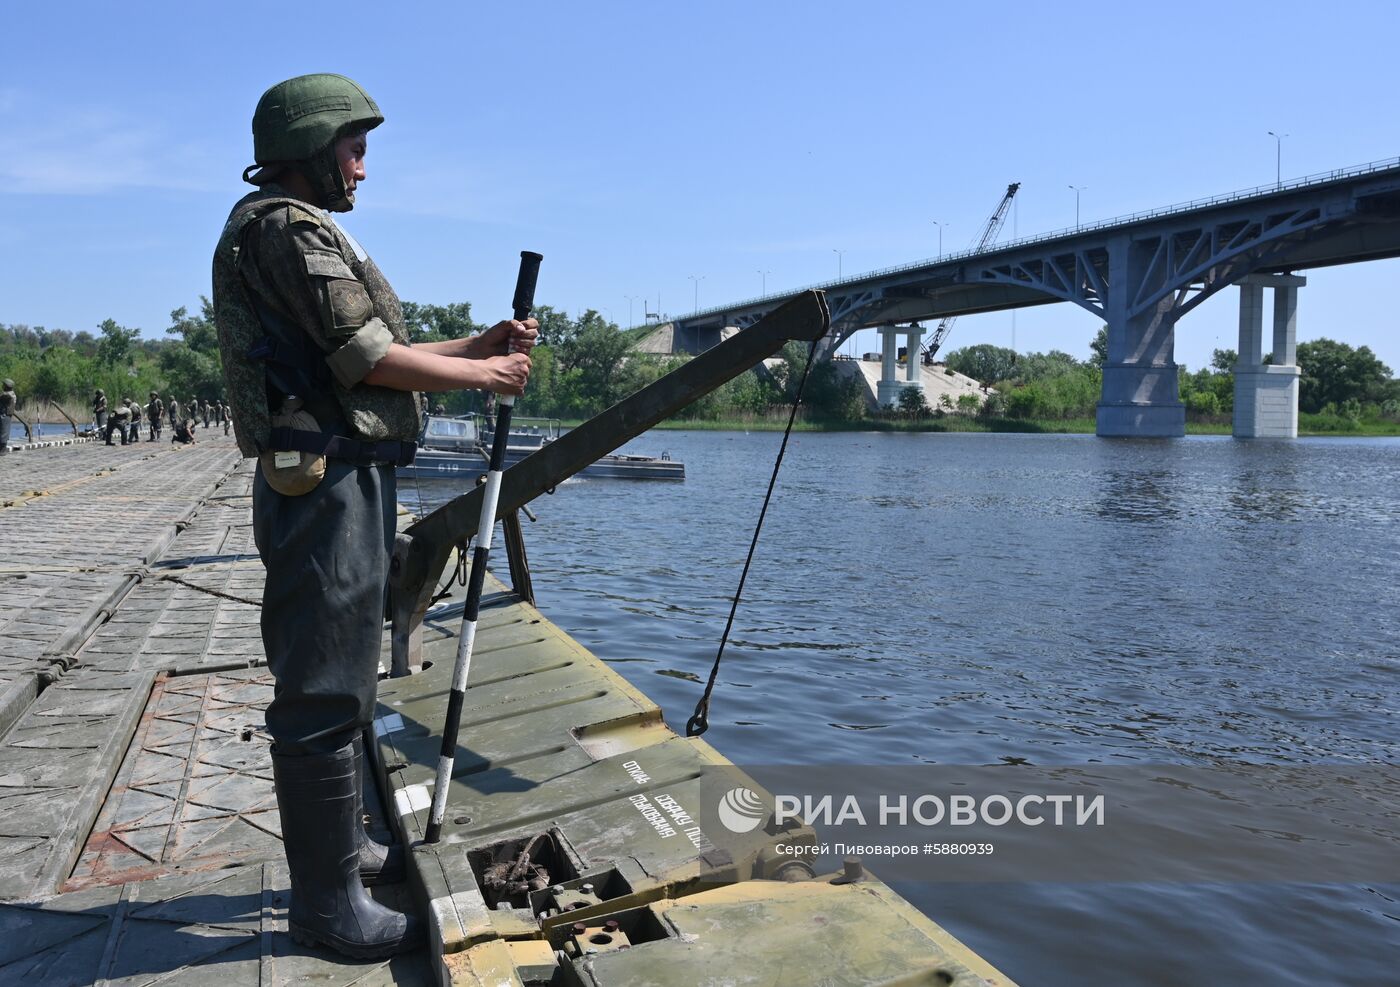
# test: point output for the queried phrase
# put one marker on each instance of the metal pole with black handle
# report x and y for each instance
(524, 301)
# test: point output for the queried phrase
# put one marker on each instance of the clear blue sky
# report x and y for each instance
(637, 144)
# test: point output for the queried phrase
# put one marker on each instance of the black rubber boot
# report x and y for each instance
(316, 798)
(379, 864)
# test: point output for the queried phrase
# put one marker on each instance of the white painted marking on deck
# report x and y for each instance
(412, 799)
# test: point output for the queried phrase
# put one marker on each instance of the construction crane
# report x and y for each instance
(989, 234)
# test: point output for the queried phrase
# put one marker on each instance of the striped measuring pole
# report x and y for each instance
(486, 524)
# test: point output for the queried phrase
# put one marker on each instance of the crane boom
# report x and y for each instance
(989, 235)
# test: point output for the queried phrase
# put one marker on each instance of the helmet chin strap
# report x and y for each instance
(322, 170)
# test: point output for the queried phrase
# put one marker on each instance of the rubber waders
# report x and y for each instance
(379, 864)
(316, 798)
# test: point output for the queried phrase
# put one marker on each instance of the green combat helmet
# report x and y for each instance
(296, 125)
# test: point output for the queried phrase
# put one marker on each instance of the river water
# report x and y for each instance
(969, 599)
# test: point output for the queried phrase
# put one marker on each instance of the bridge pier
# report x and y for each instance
(1266, 395)
(1140, 396)
(890, 386)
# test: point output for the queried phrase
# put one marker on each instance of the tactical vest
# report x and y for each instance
(373, 413)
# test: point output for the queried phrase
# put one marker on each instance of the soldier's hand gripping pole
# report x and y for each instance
(524, 301)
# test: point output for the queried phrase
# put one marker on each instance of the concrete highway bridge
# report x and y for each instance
(1141, 274)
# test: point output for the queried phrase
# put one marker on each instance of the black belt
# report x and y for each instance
(341, 447)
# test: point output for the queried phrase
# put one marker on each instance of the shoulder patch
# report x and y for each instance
(350, 305)
(296, 214)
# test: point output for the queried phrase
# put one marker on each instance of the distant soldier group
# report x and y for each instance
(124, 421)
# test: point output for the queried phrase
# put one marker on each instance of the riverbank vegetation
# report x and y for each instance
(59, 369)
(587, 363)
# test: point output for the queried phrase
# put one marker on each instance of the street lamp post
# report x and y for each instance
(940, 237)
(629, 307)
(839, 255)
(697, 281)
(1278, 158)
(764, 276)
(1077, 190)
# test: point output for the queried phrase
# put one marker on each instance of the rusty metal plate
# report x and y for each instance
(195, 789)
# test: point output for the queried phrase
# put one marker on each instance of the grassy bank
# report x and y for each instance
(1342, 425)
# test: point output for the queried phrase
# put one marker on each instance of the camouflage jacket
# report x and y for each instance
(8, 399)
(155, 409)
(294, 260)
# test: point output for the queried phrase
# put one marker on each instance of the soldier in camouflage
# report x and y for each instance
(155, 415)
(320, 379)
(134, 429)
(99, 412)
(118, 421)
(8, 400)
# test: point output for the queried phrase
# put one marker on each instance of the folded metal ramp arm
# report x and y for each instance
(421, 551)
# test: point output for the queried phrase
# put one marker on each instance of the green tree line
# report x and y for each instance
(63, 368)
(1338, 382)
(586, 363)
(581, 367)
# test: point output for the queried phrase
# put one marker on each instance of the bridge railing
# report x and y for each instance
(1258, 191)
